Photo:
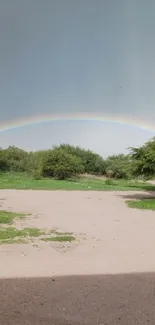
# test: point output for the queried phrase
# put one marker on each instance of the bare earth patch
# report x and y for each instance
(109, 268)
(110, 237)
(17, 235)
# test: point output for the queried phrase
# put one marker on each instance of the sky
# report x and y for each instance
(75, 56)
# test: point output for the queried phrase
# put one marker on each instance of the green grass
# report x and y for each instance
(145, 204)
(11, 235)
(32, 232)
(60, 233)
(13, 241)
(22, 181)
(11, 232)
(7, 217)
(59, 238)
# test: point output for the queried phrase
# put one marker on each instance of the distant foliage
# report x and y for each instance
(4, 162)
(35, 159)
(92, 162)
(119, 166)
(65, 161)
(18, 159)
(144, 159)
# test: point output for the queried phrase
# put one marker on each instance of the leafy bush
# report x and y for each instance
(61, 165)
(4, 164)
(119, 166)
(144, 159)
(92, 162)
(17, 159)
(67, 161)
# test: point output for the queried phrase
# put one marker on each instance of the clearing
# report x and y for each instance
(101, 271)
(97, 233)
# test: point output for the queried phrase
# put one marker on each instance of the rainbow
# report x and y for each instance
(81, 116)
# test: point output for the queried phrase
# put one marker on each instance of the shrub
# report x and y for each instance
(119, 166)
(144, 159)
(17, 159)
(4, 164)
(92, 162)
(61, 165)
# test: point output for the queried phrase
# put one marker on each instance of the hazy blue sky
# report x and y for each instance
(61, 56)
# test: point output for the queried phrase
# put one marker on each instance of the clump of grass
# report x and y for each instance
(145, 204)
(11, 233)
(59, 238)
(109, 182)
(61, 233)
(7, 217)
(33, 232)
(13, 241)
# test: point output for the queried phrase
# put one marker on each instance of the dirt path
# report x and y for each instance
(111, 239)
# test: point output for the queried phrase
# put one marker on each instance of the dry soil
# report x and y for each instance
(105, 277)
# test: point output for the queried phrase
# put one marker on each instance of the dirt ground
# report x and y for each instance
(105, 277)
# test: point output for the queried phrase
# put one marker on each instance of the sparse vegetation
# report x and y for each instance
(7, 217)
(13, 241)
(60, 238)
(145, 204)
(10, 235)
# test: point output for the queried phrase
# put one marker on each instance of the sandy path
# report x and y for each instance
(118, 240)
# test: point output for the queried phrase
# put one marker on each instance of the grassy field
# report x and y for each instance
(21, 181)
(145, 204)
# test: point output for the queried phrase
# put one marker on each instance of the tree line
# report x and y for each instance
(66, 161)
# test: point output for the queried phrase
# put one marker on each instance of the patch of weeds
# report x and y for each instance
(59, 239)
(11, 233)
(145, 204)
(7, 217)
(33, 232)
(109, 182)
(61, 233)
(14, 241)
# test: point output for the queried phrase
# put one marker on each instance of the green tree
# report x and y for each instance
(35, 159)
(119, 166)
(61, 165)
(144, 158)
(18, 159)
(4, 163)
(92, 162)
